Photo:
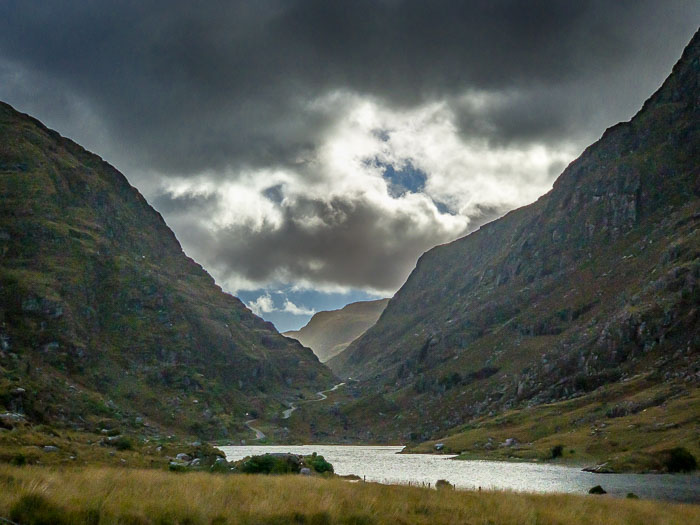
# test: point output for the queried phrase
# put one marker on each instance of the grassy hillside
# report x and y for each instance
(329, 333)
(105, 322)
(111, 496)
(622, 426)
(594, 284)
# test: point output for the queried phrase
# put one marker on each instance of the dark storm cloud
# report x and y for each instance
(184, 88)
(344, 241)
(203, 94)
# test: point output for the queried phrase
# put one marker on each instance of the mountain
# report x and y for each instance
(590, 291)
(102, 315)
(329, 333)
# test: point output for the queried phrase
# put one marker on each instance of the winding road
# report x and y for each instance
(286, 414)
(321, 396)
(258, 433)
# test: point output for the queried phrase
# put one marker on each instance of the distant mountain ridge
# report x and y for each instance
(330, 332)
(596, 283)
(102, 315)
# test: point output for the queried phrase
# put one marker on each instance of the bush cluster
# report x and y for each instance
(678, 460)
(318, 463)
(557, 451)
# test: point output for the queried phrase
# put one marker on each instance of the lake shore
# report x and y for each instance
(113, 495)
(383, 464)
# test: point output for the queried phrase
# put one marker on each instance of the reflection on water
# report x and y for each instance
(384, 465)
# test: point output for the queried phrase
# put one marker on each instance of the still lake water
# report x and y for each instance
(384, 465)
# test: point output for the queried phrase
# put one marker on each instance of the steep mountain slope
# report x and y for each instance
(329, 333)
(102, 316)
(593, 284)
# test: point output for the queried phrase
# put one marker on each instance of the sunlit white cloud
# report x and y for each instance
(332, 221)
(293, 309)
(265, 304)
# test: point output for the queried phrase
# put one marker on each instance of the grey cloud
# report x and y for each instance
(166, 88)
(345, 241)
(184, 204)
(181, 89)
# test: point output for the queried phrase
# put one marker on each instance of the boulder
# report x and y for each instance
(603, 468)
(183, 457)
(305, 471)
(50, 448)
(11, 417)
(442, 484)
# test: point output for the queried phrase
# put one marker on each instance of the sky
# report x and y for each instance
(307, 152)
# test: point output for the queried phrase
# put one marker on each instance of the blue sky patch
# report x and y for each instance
(307, 299)
(407, 179)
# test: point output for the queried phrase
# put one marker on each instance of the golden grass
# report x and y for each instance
(113, 495)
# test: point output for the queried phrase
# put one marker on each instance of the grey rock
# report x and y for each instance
(183, 457)
(600, 469)
(305, 471)
(50, 347)
(30, 304)
(50, 448)
(11, 417)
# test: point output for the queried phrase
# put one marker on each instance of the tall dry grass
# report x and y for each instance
(130, 496)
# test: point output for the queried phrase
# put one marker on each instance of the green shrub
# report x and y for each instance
(357, 519)
(124, 443)
(176, 467)
(269, 464)
(678, 460)
(557, 451)
(35, 509)
(442, 484)
(220, 468)
(293, 518)
(19, 460)
(318, 463)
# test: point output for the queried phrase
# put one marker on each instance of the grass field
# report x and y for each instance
(624, 425)
(92, 495)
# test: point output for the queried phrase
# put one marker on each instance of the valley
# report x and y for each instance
(539, 352)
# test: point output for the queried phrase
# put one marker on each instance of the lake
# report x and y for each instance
(382, 464)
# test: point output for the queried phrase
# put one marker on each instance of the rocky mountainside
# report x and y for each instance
(329, 333)
(596, 283)
(102, 315)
